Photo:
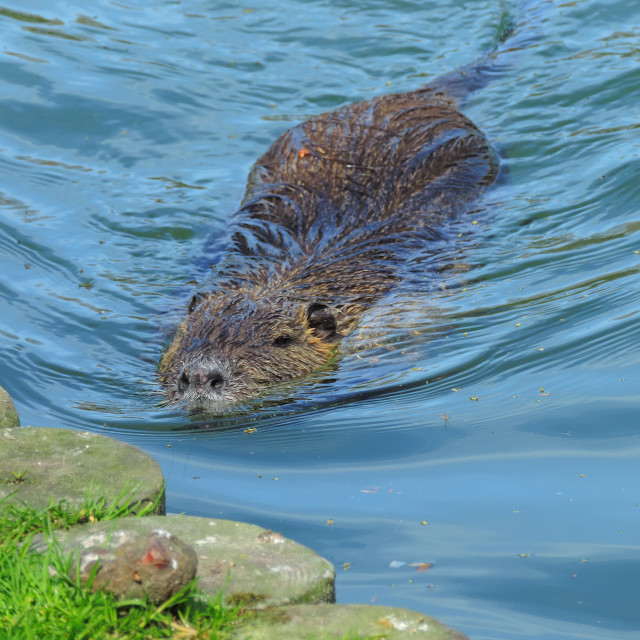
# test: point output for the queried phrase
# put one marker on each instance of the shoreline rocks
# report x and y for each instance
(8, 413)
(247, 563)
(39, 463)
(289, 586)
(368, 621)
(157, 565)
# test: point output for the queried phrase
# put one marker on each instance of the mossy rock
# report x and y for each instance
(338, 622)
(251, 565)
(8, 413)
(40, 464)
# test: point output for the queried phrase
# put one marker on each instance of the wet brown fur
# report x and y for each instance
(332, 210)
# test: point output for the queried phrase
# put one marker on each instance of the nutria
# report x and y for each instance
(331, 211)
(335, 213)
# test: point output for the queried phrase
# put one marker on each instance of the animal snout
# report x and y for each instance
(198, 378)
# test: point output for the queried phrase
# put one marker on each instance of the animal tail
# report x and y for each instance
(513, 34)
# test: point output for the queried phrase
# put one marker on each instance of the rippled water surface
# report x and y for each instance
(489, 426)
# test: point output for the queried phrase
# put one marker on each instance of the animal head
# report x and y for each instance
(230, 346)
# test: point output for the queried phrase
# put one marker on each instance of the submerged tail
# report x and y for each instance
(513, 34)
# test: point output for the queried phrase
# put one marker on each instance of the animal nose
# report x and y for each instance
(200, 378)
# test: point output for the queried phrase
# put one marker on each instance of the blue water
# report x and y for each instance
(126, 134)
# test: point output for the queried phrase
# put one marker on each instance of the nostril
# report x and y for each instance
(198, 380)
(183, 381)
(216, 381)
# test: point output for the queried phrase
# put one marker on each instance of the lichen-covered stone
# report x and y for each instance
(301, 622)
(257, 567)
(8, 413)
(38, 464)
(157, 565)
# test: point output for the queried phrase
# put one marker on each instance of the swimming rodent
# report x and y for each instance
(332, 210)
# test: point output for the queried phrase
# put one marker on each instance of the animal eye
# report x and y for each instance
(282, 341)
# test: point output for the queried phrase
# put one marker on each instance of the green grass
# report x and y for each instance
(39, 599)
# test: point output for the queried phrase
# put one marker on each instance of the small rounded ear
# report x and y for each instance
(195, 301)
(321, 320)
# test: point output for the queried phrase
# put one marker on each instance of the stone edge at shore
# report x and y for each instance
(290, 585)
